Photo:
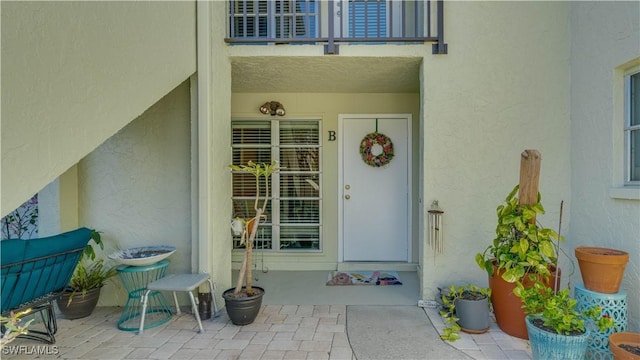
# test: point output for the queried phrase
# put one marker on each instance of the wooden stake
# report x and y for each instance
(529, 177)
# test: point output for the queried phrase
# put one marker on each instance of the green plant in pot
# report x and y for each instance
(243, 302)
(556, 327)
(464, 308)
(521, 247)
(82, 294)
(14, 326)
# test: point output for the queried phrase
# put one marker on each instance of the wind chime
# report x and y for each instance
(435, 228)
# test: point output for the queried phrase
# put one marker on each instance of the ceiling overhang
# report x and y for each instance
(325, 74)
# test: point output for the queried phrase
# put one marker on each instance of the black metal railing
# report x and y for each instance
(331, 22)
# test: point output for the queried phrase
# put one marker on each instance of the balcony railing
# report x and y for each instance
(332, 22)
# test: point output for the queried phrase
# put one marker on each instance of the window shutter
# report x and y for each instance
(250, 21)
(277, 14)
(367, 18)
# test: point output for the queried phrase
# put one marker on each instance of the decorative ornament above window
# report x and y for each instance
(273, 108)
(376, 149)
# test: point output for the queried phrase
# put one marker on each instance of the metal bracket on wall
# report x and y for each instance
(331, 49)
(439, 48)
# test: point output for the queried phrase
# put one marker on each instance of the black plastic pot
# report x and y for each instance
(204, 305)
(243, 310)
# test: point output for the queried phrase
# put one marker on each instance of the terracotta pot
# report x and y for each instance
(619, 338)
(601, 268)
(507, 307)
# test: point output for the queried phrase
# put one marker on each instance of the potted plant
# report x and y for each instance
(625, 345)
(14, 326)
(464, 308)
(601, 268)
(520, 247)
(82, 294)
(243, 302)
(556, 327)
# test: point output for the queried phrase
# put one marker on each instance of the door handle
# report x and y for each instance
(347, 197)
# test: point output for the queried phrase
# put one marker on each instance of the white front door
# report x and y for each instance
(374, 201)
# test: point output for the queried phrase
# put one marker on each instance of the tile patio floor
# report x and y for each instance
(280, 332)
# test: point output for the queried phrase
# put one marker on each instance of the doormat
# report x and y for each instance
(363, 278)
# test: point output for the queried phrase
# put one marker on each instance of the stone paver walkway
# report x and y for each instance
(492, 345)
(279, 332)
(293, 332)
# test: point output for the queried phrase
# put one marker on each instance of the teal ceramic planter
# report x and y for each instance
(552, 346)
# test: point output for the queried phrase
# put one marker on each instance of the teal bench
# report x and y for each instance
(35, 272)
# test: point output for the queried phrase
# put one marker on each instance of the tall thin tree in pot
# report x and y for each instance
(250, 226)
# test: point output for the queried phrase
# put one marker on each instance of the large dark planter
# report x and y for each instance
(552, 346)
(601, 268)
(243, 310)
(507, 307)
(473, 315)
(81, 306)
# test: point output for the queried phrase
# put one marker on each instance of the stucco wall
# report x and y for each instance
(605, 41)
(136, 187)
(214, 113)
(518, 75)
(74, 73)
(58, 204)
(327, 107)
(502, 88)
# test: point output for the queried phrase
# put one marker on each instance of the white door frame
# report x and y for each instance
(341, 119)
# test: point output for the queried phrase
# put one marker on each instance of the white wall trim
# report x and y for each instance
(626, 193)
(195, 179)
(202, 228)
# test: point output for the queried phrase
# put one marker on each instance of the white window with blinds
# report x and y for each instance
(632, 129)
(293, 216)
(274, 19)
(379, 18)
(367, 18)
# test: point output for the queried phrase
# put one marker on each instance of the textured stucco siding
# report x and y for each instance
(605, 40)
(214, 97)
(503, 88)
(74, 73)
(136, 187)
(518, 75)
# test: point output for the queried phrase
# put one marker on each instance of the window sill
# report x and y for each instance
(627, 192)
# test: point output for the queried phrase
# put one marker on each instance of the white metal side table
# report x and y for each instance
(180, 282)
